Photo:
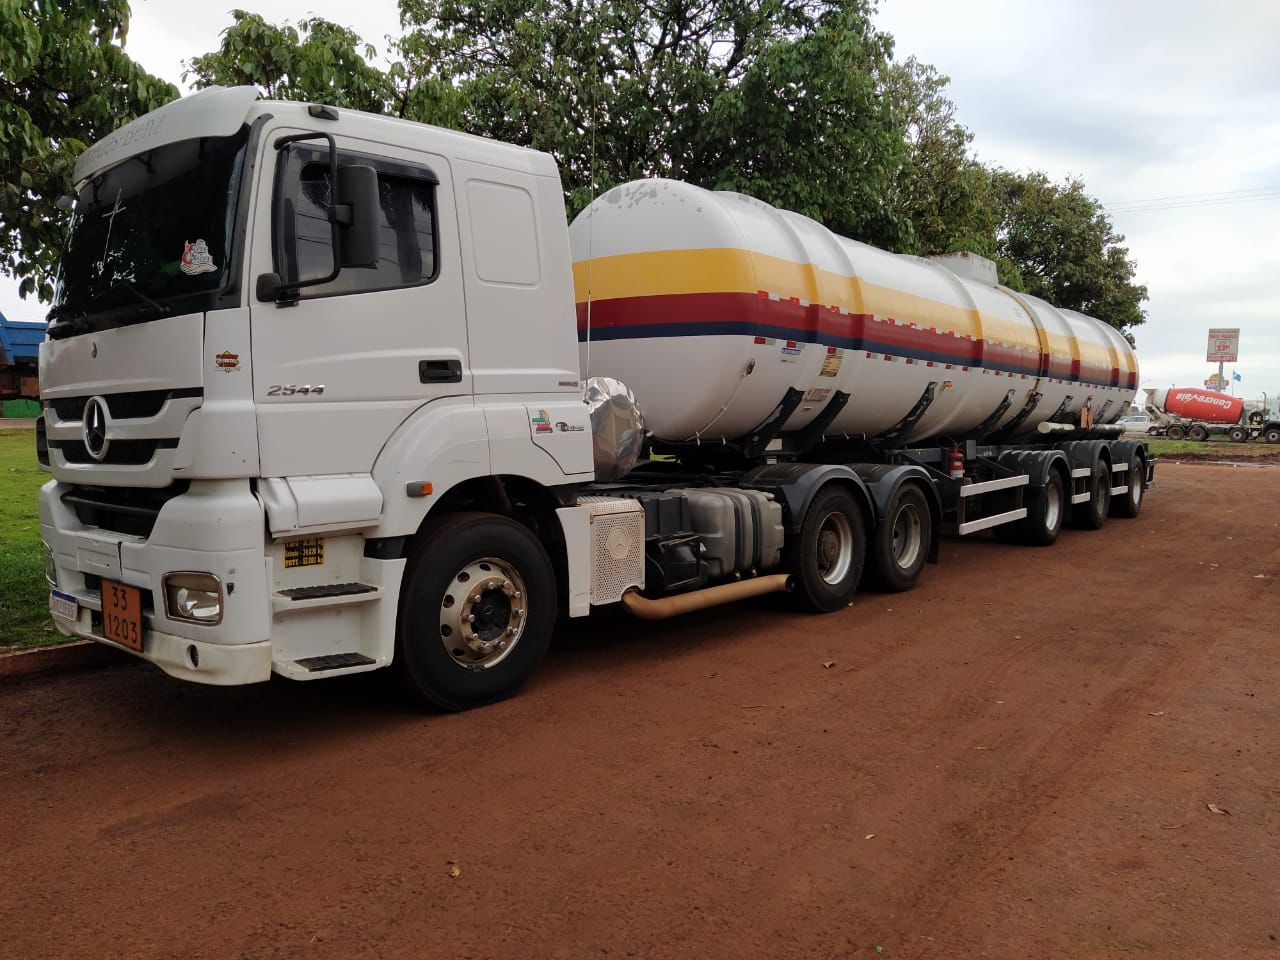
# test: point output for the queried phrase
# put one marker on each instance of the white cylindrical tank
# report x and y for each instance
(711, 306)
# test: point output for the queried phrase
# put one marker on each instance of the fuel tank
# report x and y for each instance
(721, 311)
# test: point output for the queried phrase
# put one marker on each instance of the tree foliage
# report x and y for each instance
(65, 81)
(776, 98)
(1064, 249)
(797, 102)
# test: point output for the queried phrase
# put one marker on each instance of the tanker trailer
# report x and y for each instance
(1198, 414)
(763, 348)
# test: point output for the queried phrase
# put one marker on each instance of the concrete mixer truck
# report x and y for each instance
(315, 403)
(1196, 414)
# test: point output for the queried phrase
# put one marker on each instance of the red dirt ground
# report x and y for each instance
(1012, 761)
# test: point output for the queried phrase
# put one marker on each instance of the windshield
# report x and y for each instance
(152, 235)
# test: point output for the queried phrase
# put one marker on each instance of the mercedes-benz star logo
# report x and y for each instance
(96, 420)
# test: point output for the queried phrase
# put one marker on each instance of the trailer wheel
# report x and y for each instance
(902, 541)
(1272, 435)
(1046, 510)
(1175, 432)
(1130, 505)
(1237, 434)
(476, 611)
(828, 556)
(1198, 433)
(1092, 515)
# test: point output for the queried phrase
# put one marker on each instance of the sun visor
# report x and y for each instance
(213, 112)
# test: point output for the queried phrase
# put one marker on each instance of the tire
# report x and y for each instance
(1198, 433)
(1130, 505)
(1175, 432)
(1272, 435)
(1047, 509)
(828, 556)
(492, 557)
(1238, 435)
(1093, 515)
(901, 543)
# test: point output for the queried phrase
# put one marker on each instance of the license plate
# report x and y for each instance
(64, 605)
(122, 614)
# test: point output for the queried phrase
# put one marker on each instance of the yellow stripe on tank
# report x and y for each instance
(730, 270)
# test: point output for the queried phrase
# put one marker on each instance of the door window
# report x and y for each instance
(407, 254)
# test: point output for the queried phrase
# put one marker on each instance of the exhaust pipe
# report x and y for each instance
(667, 607)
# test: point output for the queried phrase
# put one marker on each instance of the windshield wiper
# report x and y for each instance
(159, 309)
(60, 326)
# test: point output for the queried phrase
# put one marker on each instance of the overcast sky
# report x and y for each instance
(1165, 108)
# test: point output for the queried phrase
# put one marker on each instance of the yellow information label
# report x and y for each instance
(304, 553)
(830, 365)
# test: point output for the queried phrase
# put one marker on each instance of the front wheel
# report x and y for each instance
(828, 556)
(1272, 435)
(1092, 515)
(476, 611)
(902, 541)
(1046, 509)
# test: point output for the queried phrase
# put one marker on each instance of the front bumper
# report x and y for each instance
(215, 527)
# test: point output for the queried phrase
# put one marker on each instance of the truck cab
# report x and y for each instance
(247, 428)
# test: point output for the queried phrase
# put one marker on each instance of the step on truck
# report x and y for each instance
(327, 392)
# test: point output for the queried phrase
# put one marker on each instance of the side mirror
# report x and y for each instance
(357, 191)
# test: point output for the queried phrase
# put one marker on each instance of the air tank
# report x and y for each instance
(1194, 403)
(722, 312)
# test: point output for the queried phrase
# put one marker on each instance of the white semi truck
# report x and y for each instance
(315, 403)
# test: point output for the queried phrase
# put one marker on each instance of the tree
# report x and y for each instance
(1061, 246)
(943, 191)
(319, 61)
(776, 98)
(65, 81)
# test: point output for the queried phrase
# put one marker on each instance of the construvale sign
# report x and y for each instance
(1224, 344)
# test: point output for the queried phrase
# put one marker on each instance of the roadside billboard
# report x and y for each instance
(1224, 344)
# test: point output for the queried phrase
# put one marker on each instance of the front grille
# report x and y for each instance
(121, 509)
(122, 406)
(123, 453)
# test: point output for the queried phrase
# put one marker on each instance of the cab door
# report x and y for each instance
(339, 366)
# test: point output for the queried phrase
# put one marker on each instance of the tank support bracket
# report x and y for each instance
(907, 423)
(810, 435)
(981, 430)
(1009, 429)
(763, 435)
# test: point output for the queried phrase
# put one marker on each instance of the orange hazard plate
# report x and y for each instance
(122, 614)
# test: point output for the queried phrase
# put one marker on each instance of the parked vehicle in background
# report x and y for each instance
(1139, 423)
(1193, 413)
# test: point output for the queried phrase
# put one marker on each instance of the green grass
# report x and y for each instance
(24, 595)
(1213, 449)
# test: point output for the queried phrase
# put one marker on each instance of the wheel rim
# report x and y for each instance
(1103, 496)
(835, 548)
(1135, 483)
(907, 527)
(483, 613)
(1052, 506)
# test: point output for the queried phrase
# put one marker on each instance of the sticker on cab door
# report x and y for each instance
(541, 421)
(227, 361)
(196, 259)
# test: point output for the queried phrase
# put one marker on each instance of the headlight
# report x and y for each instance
(193, 597)
(50, 566)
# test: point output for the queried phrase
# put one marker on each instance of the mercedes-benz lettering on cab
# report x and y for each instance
(265, 315)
